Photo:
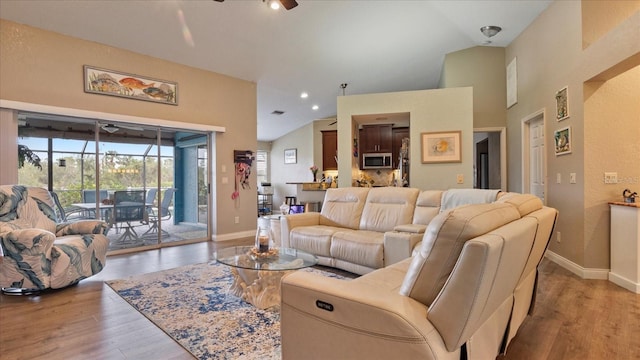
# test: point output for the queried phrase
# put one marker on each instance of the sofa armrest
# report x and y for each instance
(82, 227)
(399, 245)
(411, 228)
(332, 318)
(27, 258)
(289, 222)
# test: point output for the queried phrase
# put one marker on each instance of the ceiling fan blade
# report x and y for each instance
(219, 0)
(111, 128)
(136, 128)
(289, 4)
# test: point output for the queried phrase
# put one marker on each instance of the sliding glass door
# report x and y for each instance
(91, 165)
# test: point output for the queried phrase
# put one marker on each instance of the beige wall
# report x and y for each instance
(430, 110)
(300, 139)
(483, 68)
(612, 144)
(43, 67)
(550, 56)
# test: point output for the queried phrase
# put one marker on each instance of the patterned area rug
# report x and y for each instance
(191, 305)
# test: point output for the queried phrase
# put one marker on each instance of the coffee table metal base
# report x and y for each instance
(261, 288)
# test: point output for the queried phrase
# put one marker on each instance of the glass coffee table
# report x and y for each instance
(256, 279)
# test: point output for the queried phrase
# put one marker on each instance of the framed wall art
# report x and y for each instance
(114, 83)
(441, 147)
(562, 139)
(512, 83)
(290, 156)
(562, 104)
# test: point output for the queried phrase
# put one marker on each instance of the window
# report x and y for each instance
(262, 166)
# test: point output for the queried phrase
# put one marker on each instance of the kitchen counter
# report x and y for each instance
(309, 191)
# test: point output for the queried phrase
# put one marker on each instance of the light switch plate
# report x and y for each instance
(611, 178)
(558, 178)
(572, 178)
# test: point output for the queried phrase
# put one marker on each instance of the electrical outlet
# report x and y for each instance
(559, 178)
(460, 179)
(611, 178)
(225, 180)
(558, 237)
(572, 178)
(237, 219)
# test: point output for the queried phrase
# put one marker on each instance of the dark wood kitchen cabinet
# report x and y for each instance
(376, 139)
(329, 149)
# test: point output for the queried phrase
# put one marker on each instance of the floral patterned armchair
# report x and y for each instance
(37, 251)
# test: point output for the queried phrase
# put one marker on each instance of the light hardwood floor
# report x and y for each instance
(573, 319)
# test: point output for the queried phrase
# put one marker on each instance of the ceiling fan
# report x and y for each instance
(287, 4)
(111, 128)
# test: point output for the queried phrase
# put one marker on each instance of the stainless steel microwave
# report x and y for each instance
(376, 161)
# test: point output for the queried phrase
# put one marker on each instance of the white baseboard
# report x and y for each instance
(234, 236)
(624, 282)
(585, 273)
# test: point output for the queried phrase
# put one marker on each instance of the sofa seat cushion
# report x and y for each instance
(314, 239)
(359, 247)
(389, 278)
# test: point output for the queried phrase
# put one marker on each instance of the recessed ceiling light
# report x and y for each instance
(315, 107)
(304, 95)
(275, 5)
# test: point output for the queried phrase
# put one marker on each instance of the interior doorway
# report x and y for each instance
(490, 158)
(534, 161)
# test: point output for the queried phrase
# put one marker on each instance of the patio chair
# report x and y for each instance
(151, 195)
(62, 216)
(89, 196)
(161, 212)
(128, 209)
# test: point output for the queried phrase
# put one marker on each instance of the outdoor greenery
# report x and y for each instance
(118, 172)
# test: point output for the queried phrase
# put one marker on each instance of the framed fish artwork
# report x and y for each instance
(115, 83)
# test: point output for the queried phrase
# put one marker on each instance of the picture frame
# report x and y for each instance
(562, 141)
(441, 147)
(290, 156)
(562, 104)
(512, 83)
(114, 83)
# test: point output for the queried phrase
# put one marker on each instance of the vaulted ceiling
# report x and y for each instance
(372, 46)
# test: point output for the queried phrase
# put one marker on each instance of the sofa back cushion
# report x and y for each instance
(387, 207)
(453, 198)
(27, 207)
(427, 206)
(343, 207)
(443, 241)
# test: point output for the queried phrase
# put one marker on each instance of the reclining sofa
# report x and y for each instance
(38, 252)
(363, 229)
(463, 294)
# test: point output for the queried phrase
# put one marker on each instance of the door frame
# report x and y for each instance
(503, 151)
(526, 153)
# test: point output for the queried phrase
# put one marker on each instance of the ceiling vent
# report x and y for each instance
(277, 112)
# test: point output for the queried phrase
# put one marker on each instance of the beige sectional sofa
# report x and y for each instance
(363, 229)
(463, 294)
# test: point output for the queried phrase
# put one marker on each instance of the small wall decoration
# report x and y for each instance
(242, 160)
(512, 83)
(562, 104)
(114, 83)
(441, 147)
(290, 156)
(562, 139)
